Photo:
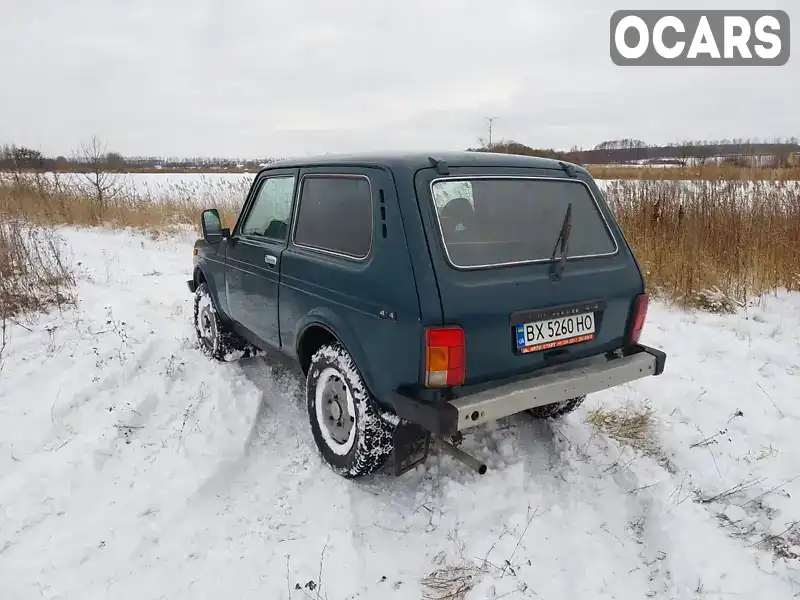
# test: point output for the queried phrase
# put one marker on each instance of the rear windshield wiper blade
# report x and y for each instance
(557, 268)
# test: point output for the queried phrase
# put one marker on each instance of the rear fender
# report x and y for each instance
(342, 332)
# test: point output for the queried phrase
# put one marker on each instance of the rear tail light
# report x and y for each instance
(445, 356)
(640, 304)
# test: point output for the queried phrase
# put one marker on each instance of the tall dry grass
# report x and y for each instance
(733, 238)
(53, 201)
(741, 238)
(709, 171)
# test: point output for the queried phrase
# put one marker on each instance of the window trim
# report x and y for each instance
(299, 202)
(257, 185)
(519, 262)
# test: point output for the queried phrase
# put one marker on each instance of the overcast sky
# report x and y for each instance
(279, 78)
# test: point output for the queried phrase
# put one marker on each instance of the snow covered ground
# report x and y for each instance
(131, 466)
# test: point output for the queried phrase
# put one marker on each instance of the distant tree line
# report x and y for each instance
(13, 157)
(774, 153)
(771, 153)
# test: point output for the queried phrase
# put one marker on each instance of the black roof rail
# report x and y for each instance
(440, 166)
(569, 169)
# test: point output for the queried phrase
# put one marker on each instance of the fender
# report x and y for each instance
(343, 332)
(202, 268)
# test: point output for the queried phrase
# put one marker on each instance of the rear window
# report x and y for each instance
(496, 221)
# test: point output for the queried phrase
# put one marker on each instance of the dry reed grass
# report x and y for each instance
(710, 244)
(627, 425)
(711, 172)
(707, 243)
(52, 202)
(451, 582)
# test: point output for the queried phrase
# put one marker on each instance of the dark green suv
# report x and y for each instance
(424, 295)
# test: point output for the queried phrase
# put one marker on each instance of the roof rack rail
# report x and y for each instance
(569, 169)
(440, 166)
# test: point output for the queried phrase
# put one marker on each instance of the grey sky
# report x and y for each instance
(267, 78)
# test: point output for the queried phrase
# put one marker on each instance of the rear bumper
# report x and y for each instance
(546, 387)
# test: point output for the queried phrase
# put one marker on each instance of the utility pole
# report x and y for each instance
(491, 121)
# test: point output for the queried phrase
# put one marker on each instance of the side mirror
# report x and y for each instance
(213, 232)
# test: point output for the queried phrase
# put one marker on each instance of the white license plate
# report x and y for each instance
(554, 333)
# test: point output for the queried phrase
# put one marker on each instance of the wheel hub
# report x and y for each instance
(336, 416)
(207, 328)
(336, 410)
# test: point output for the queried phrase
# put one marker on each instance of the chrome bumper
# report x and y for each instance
(568, 381)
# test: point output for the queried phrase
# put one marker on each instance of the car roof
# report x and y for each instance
(420, 160)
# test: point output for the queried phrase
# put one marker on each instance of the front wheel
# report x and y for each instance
(557, 409)
(347, 427)
(215, 338)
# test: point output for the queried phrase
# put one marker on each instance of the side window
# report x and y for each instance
(335, 214)
(272, 209)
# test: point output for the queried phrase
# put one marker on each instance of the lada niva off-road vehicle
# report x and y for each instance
(424, 295)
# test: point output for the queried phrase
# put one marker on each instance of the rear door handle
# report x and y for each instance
(271, 260)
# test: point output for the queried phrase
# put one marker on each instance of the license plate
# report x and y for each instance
(554, 333)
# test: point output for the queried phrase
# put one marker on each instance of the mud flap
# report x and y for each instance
(411, 446)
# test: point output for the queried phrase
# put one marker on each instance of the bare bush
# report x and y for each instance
(100, 183)
(34, 273)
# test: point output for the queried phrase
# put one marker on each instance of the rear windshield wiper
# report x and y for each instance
(557, 268)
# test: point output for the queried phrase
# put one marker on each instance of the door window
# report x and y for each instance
(272, 209)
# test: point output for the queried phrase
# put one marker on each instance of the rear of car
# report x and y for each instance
(536, 283)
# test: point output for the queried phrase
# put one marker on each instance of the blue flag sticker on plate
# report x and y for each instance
(520, 335)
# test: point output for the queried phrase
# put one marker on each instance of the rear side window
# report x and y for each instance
(335, 215)
(498, 221)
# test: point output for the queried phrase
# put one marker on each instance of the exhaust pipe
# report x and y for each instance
(461, 456)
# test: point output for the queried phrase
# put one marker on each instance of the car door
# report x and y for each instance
(254, 255)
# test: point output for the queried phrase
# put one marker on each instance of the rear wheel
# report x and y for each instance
(557, 409)
(347, 427)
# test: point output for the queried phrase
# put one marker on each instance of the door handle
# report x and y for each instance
(271, 260)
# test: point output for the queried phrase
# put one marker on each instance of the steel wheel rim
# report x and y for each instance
(206, 323)
(335, 411)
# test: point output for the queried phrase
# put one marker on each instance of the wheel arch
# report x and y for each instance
(323, 327)
(198, 276)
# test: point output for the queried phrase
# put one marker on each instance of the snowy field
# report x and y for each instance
(132, 467)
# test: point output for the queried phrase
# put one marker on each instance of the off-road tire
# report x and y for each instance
(371, 443)
(557, 409)
(216, 340)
